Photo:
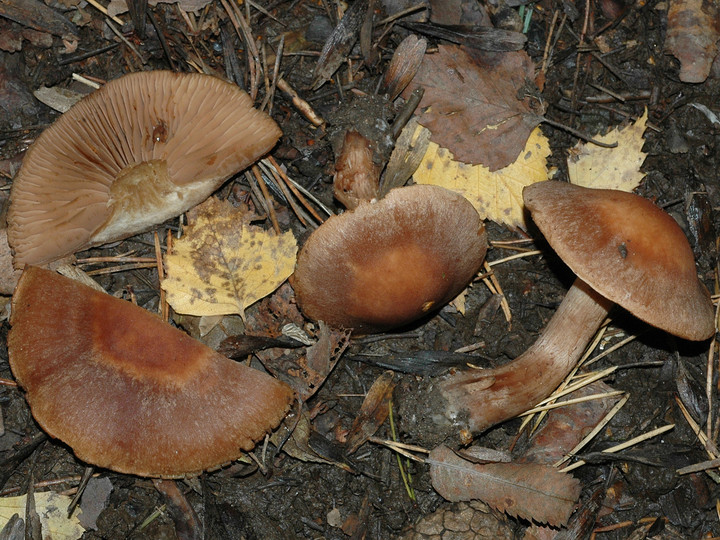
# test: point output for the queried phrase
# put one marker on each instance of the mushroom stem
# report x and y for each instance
(480, 399)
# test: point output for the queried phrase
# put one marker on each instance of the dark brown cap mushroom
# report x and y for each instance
(127, 391)
(142, 149)
(624, 249)
(390, 262)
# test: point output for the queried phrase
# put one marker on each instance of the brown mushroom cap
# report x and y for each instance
(127, 391)
(142, 149)
(391, 261)
(628, 250)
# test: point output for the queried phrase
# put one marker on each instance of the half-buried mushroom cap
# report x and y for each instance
(392, 261)
(127, 391)
(629, 251)
(142, 149)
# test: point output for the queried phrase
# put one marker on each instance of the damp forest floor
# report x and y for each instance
(287, 498)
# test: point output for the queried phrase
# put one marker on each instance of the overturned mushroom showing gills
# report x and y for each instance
(390, 262)
(624, 250)
(142, 149)
(127, 391)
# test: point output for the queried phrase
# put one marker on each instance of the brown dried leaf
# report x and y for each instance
(692, 37)
(340, 42)
(295, 434)
(35, 14)
(530, 491)
(566, 426)
(476, 104)
(305, 373)
(404, 65)
(373, 411)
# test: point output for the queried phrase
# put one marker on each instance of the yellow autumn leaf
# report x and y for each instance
(223, 264)
(495, 195)
(52, 508)
(593, 166)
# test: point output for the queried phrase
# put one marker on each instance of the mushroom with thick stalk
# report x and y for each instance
(127, 391)
(142, 149)
(390, 262)
(624, 250)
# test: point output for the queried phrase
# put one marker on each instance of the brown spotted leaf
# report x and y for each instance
(223, 264)
(477, 105)
(692, 37)
(530, 491)
(373, 412)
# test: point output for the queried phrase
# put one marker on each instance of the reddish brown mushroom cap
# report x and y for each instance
(127, 391)
(391, 261)
(628, 250)
(142, 149)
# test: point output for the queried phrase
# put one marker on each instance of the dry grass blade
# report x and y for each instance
(626, 444)
(572, 402)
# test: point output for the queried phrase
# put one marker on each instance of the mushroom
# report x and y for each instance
(624, 250)
(127, 391)
(390, 262)
(142, 149)
(357, 178)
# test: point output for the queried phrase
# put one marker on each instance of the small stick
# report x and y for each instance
(285, 191)
(277, 171)
(578, 134)
(118, 259)
(609, 92)
(268, 198)
(300, 104)
(266, 77)
(491, 278)
(276, 71)
(611, 349)
(85, 81)
(546, 52)
(130, 46)
(403, 13)
(121, 268)
(699, 467)
(161, 275)
(104, 11)
(516, 256)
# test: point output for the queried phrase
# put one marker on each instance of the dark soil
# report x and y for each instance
(293, 498)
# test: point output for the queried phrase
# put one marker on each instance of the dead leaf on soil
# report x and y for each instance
(299, 440)
(593, 166)
(306, 372)
(223, 264)
(495, 195)
(116, 7)
(53, 511)
(339, 43)
(373, 411)
(692, 37)
(476, 105)
(530, 491)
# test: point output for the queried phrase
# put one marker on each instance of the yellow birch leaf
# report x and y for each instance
(52, 508)
(223, 264)
(495, 195)
(593, 166)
